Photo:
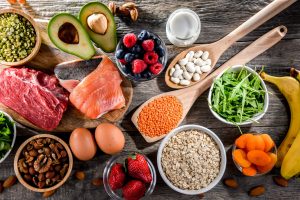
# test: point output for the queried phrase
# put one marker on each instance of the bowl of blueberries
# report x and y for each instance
(141, 55)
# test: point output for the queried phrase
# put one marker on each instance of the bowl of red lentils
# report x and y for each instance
(191, 159)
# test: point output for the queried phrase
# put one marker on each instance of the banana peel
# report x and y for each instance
(291, 163)
(290, 88)
(295, 73)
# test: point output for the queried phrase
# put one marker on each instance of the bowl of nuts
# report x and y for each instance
(20, 38)
(191, 159)
(43, 163)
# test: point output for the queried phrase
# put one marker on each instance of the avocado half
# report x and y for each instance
(66, 33)
(107, 41)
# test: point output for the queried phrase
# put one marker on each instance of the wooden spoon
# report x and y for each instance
(188, 96)
(217, 48)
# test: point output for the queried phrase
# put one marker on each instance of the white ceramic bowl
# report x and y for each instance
(14, 136)
(256, 117)
(222, 152)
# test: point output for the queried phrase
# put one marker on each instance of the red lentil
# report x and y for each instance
(160, 116)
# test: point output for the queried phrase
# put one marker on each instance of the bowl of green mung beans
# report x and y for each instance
(238, 96)
(20, 38)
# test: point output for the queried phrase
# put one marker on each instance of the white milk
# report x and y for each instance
(183, 27)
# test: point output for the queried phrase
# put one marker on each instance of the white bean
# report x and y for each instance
(177, 66)
(177, 73)
(197, 69)
(184, 82)
(192, 53)
(196, 77)
(205, 68)
(199, 62)
(187, 76)
(175, 80)
(191, 59)
(190, 67)
(205, 55)
(208, 62)
(188, 56)
(198, 54)
(180, 77)
(172, 70)
(183, 61)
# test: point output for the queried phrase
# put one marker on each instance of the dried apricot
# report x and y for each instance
(240, 157)
(258, 157)
(249, 171)
(269, 143)
(268, 167)
(241, 141)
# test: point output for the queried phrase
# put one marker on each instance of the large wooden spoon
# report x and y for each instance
(217, 48)
(188, 96)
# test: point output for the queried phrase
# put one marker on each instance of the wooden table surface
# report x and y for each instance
(218, 18)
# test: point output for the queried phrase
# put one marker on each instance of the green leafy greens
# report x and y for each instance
(237, 96)
(6, 134)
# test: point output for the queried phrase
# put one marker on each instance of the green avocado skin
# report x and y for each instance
(108, 41)
(84, 49)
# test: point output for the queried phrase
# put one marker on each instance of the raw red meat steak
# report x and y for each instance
(34, 95)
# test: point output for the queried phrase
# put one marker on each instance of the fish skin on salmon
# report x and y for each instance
(100, 91)
(70, 73)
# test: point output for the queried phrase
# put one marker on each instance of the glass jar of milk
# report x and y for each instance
(183, 27)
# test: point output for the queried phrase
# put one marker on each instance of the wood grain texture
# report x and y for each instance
(218, 19)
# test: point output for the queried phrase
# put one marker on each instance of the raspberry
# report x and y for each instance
(150, 57)
(148, 45)
(138, 66)
(156, 68)
(122, 61)
(129, 40)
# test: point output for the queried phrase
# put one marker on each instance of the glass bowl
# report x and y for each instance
(273, 150)
(125, 69)
(120, 158)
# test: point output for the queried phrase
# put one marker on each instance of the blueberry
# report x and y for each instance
(160, 51)
(146, 74)
(129, 57)
(157, 41)
(137, 49)
(137, 76)
(120, 54)
(144, 35)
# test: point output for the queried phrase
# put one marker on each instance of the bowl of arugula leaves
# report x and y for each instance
(238, 96)
(8, 134)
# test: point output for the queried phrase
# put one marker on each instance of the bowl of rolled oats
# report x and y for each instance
(191, 159)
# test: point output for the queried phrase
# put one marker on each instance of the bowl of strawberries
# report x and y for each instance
(129, 175)
(141, 55)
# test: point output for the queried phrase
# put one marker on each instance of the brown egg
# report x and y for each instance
(83, 144)
(109, 138)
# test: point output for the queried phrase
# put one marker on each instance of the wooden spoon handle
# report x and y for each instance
(250, 52)
(255, 21)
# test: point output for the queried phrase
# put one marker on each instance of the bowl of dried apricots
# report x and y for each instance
(254, 154)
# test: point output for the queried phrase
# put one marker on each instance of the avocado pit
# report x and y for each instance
(68, 33)
(97, 23)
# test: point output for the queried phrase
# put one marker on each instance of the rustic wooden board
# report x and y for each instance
(218, 18)
(47, 58)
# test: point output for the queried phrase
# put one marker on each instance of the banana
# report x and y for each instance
(295, 73)
(290, 88)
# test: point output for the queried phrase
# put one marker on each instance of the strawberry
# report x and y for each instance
(134, 190)
(116, 178)
(138, 66)
(148, 45)
(150, 57)
(138, 168)
(129, 40)
(156, 68)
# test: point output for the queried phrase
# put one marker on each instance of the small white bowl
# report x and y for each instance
(222, 153)
(14, 135)
(256, 117)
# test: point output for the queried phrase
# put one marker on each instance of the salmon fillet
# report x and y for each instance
(100, 91)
